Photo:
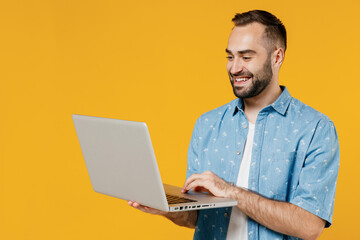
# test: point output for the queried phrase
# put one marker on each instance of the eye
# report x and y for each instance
(229, 58)
(246, 58)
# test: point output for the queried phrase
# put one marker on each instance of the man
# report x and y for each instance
(276, 156)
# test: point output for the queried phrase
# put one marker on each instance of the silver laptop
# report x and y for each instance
(121, 163)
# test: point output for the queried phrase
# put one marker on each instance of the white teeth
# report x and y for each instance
(240, 79)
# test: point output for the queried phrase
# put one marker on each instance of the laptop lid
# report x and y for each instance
(121, 163)
(120, 159)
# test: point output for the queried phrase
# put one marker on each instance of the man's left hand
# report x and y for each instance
(208, 182)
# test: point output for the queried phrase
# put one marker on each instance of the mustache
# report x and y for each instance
(242, 74)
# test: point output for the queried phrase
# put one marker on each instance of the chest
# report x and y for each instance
(277, 153)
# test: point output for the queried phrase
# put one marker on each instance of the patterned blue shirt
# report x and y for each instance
(295, 158)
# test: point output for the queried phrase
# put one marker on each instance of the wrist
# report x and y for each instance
(171, 215)
(232, 192)
(166, 214)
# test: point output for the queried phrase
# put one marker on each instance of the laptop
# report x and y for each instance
(121, 163)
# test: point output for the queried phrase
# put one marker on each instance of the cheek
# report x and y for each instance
(253, 67)
(228, 66)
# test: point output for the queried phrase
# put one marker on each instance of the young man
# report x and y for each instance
(275, 155)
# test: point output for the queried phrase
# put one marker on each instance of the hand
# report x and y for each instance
(208, 182)
(146, 209)
(185, 219)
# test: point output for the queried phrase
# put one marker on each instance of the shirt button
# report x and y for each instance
(225, 215)
(238, 152)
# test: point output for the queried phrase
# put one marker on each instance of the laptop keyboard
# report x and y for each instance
(175, 199)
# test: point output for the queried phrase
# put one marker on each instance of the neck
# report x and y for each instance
(252, 106)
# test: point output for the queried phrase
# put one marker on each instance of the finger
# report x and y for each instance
(206, 185)
(154, 211)
(146, 209)
(203, 177)
(192, 178)
(186, 187)
(141, 207)
(196, 183)
(131, 203)
(135, 205)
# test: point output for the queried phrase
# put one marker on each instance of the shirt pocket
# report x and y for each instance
(276, 174)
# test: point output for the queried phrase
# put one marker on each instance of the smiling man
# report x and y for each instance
(276, 156)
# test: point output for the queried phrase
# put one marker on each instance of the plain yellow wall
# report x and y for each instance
(162, 62)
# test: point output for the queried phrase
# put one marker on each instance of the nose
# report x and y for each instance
(236, 66)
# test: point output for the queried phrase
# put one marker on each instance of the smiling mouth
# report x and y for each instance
(239, 81)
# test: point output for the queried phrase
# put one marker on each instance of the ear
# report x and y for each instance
(278, 57)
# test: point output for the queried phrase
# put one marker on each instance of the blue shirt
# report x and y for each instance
(295, 158)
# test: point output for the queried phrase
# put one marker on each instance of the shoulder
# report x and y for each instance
(218, 113)
(303, 112)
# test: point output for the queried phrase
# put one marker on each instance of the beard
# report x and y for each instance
(260, 81)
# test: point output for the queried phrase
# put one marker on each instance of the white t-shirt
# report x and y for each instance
(238, 220)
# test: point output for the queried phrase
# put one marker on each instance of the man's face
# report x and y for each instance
(249, 63)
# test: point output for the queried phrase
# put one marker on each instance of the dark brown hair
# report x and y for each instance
(274, 29)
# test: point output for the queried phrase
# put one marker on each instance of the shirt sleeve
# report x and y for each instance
(193, 163)
(317, 183)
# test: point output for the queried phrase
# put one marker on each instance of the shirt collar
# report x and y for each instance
(238, 106)
(280, 105)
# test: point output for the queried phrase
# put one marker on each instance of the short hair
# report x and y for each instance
(274, 29)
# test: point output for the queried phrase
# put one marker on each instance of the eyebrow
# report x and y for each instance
(242, 51)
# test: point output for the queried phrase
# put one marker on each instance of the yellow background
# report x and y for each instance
(162, 62)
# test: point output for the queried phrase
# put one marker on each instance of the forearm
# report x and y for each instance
(184, 219)
(279, 216)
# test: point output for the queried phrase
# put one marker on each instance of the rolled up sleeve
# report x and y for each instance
(316, 188)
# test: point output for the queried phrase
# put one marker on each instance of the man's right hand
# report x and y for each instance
(185, 219)
(147, 209)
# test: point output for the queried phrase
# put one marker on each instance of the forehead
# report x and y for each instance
(247, 37)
